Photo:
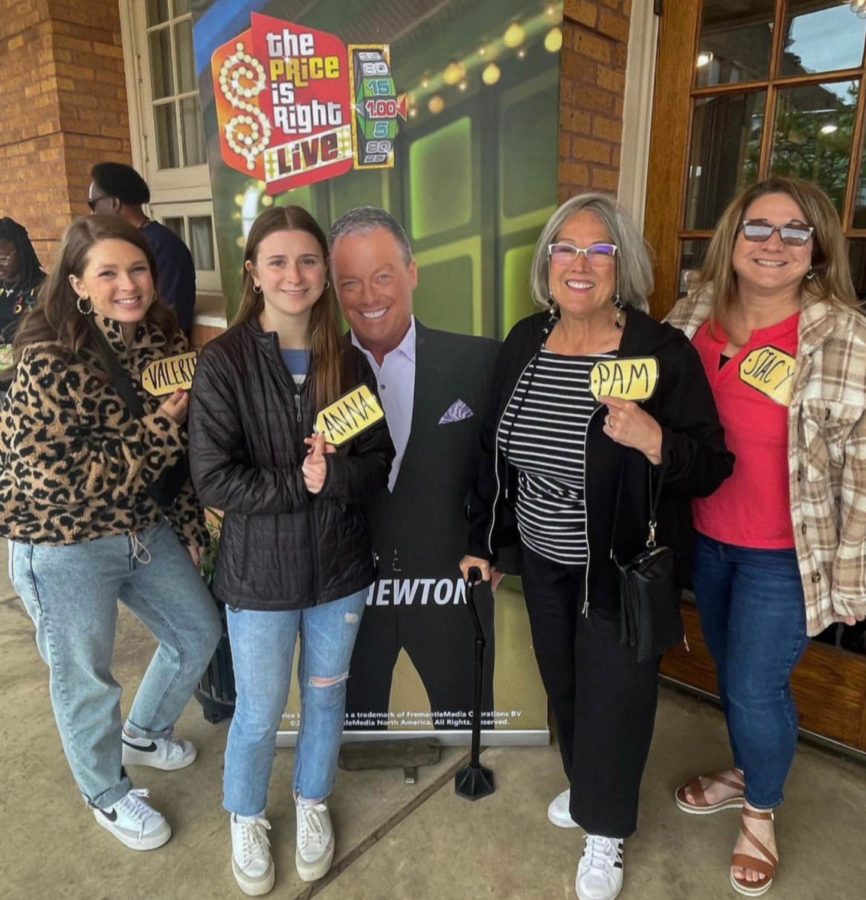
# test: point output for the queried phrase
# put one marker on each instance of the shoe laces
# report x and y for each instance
(602, 853)
(133, 806)
(310, 828)
(254, 842)
(174, 749)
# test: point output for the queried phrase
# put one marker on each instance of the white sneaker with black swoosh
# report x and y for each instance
(133, 822)
(159, 753)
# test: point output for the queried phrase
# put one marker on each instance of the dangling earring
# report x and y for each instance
(257, 288)
(619, 320)
(85, 311)
(810, 274)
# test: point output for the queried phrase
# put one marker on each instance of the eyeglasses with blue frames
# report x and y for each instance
(794, 234)
(562, 254)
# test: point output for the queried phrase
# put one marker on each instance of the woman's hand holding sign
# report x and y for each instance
(176, 406)
(629, 425)
(315, 468)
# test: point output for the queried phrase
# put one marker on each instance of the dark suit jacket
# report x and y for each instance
(421, 526)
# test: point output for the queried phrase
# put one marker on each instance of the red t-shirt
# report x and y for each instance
(752, 391)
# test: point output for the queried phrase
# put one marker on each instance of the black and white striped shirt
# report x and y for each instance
(543, 435)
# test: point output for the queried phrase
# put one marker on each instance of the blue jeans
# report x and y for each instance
(262, 644)
(70, 592)
(750, 603)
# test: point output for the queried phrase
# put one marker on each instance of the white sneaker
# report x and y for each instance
(558, 812)
(599, 872)
(133, 822)
(159, 753)
(252, 865)
(315, 841)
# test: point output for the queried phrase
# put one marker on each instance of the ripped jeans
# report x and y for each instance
(262, 645)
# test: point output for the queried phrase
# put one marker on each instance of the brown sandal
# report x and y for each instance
(699, 805)
(765, 867)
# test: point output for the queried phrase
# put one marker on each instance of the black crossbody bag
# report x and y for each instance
(168, 485)
(650, 618)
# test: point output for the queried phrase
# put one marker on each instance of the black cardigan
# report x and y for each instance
(694, 457)
(281, 547)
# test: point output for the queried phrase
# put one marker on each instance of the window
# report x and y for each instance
(168, 145)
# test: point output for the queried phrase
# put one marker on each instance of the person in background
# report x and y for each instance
(571, 473)
(294, 557)
(434, 386)
(774, 318)
(117, 189)
(78, 470)
(20, 278)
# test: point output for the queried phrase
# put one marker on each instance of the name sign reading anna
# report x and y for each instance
(629, 378)
(349, 416)
(164, 376)
(770, 371)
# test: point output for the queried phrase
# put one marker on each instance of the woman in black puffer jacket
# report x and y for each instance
(295, 557)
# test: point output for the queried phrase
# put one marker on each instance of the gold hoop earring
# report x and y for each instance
(79, 303)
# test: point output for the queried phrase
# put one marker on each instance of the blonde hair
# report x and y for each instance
(830, 278)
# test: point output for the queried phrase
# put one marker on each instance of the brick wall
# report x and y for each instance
(592, 83)
(65, 108)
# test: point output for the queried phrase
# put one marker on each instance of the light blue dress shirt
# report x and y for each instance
(396, 381)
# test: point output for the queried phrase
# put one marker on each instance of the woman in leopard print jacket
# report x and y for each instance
(80, 458)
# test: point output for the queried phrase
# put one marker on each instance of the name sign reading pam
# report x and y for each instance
(628, 378)
(349, 416)
(164, 376)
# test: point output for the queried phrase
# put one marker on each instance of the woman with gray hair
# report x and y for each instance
(569, 452)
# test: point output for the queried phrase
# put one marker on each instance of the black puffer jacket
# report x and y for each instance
(281, 547)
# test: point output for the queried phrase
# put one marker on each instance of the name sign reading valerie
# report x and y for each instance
(349, 416)
(629, 378)
(770, 371)
(164, 376)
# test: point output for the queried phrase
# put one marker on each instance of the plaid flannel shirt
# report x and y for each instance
(826, 454)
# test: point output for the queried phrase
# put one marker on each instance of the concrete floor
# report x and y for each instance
(395, 840)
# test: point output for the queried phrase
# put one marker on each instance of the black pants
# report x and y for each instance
(440, 641)
(603, 700)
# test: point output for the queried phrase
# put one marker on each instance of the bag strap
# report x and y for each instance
(653, 504)
(120, 379)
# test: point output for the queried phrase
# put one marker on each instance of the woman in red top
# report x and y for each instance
(778, 554)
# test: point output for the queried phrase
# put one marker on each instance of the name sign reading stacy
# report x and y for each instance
(164, 376)
(629, 378)
(349, 416)
(770, 371)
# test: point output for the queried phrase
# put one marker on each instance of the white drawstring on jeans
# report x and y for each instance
(140, 553)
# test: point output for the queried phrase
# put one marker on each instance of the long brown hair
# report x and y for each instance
(831, 272)
(55, 318)
(325, 339)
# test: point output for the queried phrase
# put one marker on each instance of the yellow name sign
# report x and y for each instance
(349, 416)
(770, 371)
(629, 378)
(164, 376)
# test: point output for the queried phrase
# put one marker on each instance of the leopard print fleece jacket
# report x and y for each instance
(75, 462)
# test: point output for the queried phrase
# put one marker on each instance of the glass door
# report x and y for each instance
(747, 89)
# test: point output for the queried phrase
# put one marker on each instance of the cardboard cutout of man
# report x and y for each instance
(118, 190)
(434, 386)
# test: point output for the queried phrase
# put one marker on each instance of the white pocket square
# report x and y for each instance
(456, 413)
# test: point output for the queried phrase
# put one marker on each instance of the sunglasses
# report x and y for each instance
(793, 234)
(92, 202)
(596, 254)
